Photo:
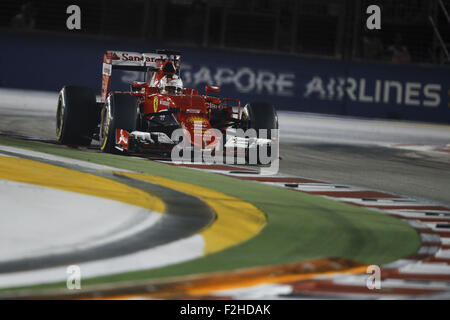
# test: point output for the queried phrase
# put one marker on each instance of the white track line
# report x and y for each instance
(50, 157)
(430, 237)
(416, 224)
(258, 292)
(382, 201)
(399, 263)
(361, 281)
(417, 214)
(164, 255)
(428, 250)
(443, 254)
(426, 268)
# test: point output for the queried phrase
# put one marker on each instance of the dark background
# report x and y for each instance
(272, 51)
(330, 28)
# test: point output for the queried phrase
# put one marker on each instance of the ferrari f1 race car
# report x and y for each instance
(159, 116)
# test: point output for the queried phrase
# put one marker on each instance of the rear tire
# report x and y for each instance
(119, 112)
(76, 115)
(260, 115)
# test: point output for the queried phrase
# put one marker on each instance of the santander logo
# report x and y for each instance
(115, 56)
(127, 57)
(123, 138)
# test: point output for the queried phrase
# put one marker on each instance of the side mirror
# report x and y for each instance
(211, 89)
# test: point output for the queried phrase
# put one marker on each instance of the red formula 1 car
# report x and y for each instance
(159, 113)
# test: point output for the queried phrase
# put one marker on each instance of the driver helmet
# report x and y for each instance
(171, 85)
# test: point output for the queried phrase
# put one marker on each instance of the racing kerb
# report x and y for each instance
(188, 211)
(425, 274)
(141, 163)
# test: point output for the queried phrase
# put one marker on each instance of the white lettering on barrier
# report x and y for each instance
(384, 91)
(244, 79)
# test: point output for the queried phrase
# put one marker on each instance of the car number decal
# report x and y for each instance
(155, 104)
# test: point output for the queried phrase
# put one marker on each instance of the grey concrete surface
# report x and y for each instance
(361, 152)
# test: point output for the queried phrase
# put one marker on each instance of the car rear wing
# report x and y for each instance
(134, 61)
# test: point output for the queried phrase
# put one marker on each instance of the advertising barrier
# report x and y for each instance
(48, 62)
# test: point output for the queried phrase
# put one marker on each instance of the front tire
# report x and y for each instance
(260, 115)
(119, 112)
